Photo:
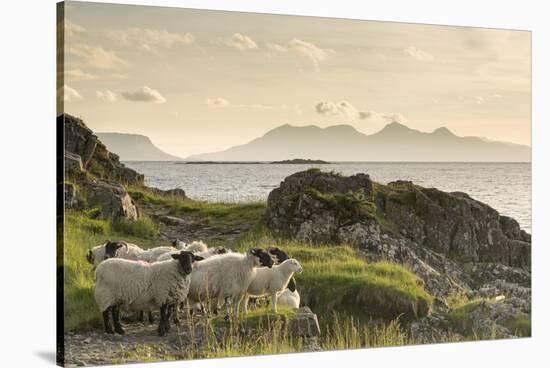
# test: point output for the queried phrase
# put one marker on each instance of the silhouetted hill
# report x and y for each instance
(134, 147)
(395, 142)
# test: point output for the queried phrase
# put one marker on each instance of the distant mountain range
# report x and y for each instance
(395, 142)
(134, 147)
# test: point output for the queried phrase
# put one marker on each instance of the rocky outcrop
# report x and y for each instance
(96, 174)
(455, 244)
(82, 145)
(112, 200)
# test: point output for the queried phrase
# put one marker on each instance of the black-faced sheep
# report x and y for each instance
(138, 285)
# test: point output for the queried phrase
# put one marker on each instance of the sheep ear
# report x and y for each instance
(197, 258)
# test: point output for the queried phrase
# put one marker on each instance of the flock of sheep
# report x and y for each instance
(130, 278)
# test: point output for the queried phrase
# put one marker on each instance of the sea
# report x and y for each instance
(504, 186)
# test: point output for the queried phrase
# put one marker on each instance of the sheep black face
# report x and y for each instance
(111, 248)
(278, 254)
(175, 242)
(186, 260)
(90, 257)
(262, 256)
(220, 250)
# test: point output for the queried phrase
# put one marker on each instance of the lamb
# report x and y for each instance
(195, 247)
(137, 285)
(226, 277)
(289, 297)
(272, 281)
(112, 249)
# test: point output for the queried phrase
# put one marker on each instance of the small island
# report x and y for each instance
(300, 161)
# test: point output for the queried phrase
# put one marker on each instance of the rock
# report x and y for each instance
(95, 158)
(112, 200)
(73, 163)
(305, 323)
(171, 220)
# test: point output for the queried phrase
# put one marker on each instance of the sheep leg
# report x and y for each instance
(116, 319)
(228, 301)
(245, 306)
(162, 323)
(151, 318)
(107, 321)
(175, 309)
(236, 306)
(169, 311)
(274, 302)
(140, 317)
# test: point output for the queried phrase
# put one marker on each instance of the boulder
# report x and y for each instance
(305, 323)
(112, 200)
(176, 192)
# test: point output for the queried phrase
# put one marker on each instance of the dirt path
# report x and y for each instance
(140, 343)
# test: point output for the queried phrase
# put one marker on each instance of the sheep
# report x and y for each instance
(195, 247)
(272, 281)
(138, 285)
(226, 277)
(111, 249)
(289, 297)
(206, 254)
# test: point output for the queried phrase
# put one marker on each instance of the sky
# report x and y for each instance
(197, 81)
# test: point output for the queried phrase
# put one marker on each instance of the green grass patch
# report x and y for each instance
(459, 317)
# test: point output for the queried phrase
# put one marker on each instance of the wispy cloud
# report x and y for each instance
(96, 56)
(145, 94)
(68, 93)
(418, 54)
(241, 42)
(314, 53)
(107, 95)
(346, 110)
(151, 40)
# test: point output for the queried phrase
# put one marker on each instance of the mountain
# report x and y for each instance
(134, 147)
(395, 142)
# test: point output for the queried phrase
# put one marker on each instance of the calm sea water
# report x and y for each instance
(504, 186)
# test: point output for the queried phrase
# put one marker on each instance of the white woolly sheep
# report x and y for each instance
(272, 281)
(195, 246)
(206, 254)
(226, 277)
(289, 298)
(122, 249)
(137, 285)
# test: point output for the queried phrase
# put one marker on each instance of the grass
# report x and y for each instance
(519, 324)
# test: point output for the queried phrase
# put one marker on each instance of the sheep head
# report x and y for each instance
(278, 254)
(185, 260)
(261, 257)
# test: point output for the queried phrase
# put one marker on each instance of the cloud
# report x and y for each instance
(347, 111)
(342, 108)
(79, 75)
(72, 29)
(241, 42)
(68, 93)
(150, 40)
(379, 117)
(145, 94)
(107, 95)
(96, 56)
(313, 53)
(418, 54)
(217, 102)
